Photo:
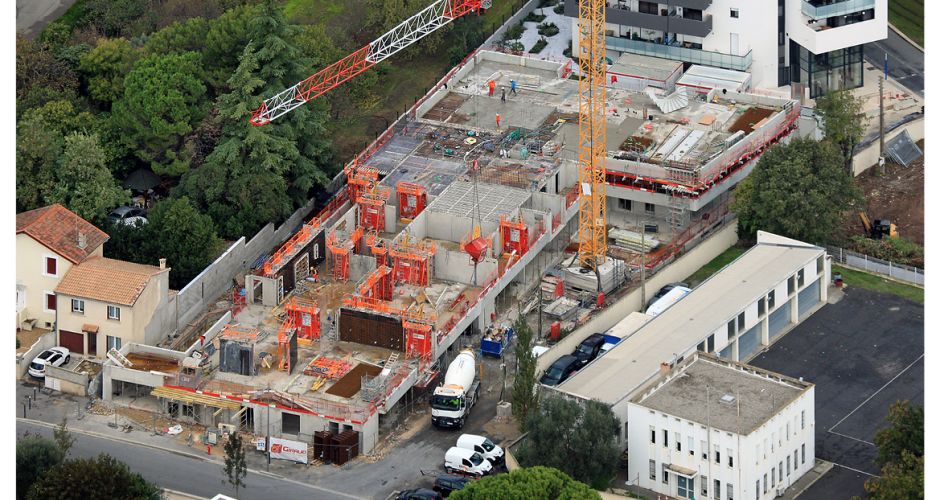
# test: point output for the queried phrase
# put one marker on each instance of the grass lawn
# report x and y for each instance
(878, 284)
(715, 265)
(908, 16)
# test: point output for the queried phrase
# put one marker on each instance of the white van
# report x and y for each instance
(462, 460)
(483, 446)
(671, 297)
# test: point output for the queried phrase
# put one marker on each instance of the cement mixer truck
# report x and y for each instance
(452, 400)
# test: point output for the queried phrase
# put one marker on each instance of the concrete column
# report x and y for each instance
(106, 384)
(735, 355)
(765, 330)
(794, 308)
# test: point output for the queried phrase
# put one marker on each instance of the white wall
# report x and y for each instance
(819, 42)
(756, 26)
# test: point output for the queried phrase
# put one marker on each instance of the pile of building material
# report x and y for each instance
(328, 367)
(561, 308)
(632, 240)
(585, 279)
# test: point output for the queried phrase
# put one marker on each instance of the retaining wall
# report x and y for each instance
(867, 157)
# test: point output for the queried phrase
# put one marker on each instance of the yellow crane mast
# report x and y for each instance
(592, 133)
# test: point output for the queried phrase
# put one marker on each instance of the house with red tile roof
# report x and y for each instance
(49, 242)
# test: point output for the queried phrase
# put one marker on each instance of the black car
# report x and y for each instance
(419, 494)
(560, 370)
(588, 349)
(447, 483)
(664, 290)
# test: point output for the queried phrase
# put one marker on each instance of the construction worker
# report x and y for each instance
(503, 98)
(512, 86)
(492, 85)
(497, 120)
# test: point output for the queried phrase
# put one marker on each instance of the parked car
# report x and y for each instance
(447, 483)
(588, 349)
(664, 290)
(483, 446)
(419, 494)
(128, 216)
(55, 356)
(461, 460)
(560, 370)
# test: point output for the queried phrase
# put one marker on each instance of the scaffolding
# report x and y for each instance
(412, 199)
(360, 179)
(515, 236)
(288, 250)
(339, 254)
(286, 345)
(306, 317)
(372, 208)
(377, 284)
(411, 262)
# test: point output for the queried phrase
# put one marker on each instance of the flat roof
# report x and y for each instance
(634, 361)
(495, 200)
(730, 396)
(652, 68)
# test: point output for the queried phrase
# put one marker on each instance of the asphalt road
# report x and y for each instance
(184, 473)
(33, 15)
(905, 62)
(863, 353)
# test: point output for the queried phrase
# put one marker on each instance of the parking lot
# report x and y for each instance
(863, 353)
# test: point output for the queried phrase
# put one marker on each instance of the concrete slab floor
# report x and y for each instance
(482, 110)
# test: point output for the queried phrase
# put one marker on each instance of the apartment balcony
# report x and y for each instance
(680, 53)
(836, 9)
(619, 13)
(691, 4)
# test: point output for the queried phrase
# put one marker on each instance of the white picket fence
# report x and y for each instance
(900, 272)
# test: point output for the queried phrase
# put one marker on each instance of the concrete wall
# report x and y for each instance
(868, 157)
(210, 334)
(23, 360)
(67, 381)
(677, 271)
(31, 273)
(311, 423)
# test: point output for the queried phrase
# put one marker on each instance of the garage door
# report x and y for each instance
(74, 342)
(726, 352)
(808, 298)
(779, 320)
(749, 342)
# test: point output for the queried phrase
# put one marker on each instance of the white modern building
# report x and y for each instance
(734, 314)
(713, 428)
(817, 43)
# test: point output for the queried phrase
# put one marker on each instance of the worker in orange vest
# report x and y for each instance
(497, 120)
(492, 85)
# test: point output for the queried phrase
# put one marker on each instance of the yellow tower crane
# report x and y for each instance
(592, 134)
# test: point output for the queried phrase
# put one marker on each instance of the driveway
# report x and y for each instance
(863, 353)
(33, 15)
(905, 62)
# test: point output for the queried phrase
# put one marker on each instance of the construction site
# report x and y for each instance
(454, 220)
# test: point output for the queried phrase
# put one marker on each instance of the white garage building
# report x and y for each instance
(739, 310)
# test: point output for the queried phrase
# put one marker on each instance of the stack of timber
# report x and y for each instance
(632, 240)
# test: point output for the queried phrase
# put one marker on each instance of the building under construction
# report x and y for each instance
(461, 206)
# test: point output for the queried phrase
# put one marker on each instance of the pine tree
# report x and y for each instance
(524, 397)
(235, 467)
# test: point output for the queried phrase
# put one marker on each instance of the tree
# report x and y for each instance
(178, 38)
(40, 77)
(235, 467)
(34, 456)
(532, 483)
(843, 121)
(901, 480)
(82, 181)
(164, 98)
(905, 433)
(105, 67)
(797, 190)
(524, 397)
(63, 438)
(225, 40)
(101, 477)
(574, 438)
(185, 237)
(115, 17)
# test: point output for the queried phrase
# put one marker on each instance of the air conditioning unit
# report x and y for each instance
(781, 491)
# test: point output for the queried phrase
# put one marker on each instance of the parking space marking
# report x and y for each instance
(850, 437)
(855, 470)
(876, 392)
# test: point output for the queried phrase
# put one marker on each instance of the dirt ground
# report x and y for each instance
(898, 197)
(28, 338)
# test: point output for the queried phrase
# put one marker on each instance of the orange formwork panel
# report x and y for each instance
(515, 236)
(339, 251)
(361, 179)
(372, 208)
(411, 262)
(418, 339)
(377, 284)
(288, 249)
(412, 199)
(306, 317)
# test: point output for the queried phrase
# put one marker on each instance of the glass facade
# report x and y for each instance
(836, 70)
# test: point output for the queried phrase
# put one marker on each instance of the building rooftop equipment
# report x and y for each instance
(723, 394)
(684, 325)
(707, 77)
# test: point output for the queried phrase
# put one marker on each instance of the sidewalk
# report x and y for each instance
(807, 480)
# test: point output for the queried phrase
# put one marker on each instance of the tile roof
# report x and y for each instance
(58, 228)
(108, 280)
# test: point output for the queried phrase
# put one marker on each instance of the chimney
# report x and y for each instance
(664, 368)
(162, 263)
(82, 241)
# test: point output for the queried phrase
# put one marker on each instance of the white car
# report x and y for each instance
(56, 356)
(483, 446)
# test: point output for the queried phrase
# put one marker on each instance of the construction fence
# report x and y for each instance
(900, 272)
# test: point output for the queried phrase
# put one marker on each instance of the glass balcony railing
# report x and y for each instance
(694, 56)
(836, 9)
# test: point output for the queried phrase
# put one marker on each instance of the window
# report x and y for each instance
(653, 469)
(685, 487)
(757, 490)
(650, 209)
(665, 475)
(114, 342)
(625, 204)
(704, 486)
(756, 453)
(773, 477)
(803, 454)
(189, 411)
(114, 312)
(734, 13)
(820, 264)
(711, 343)
(770, 299)
(788, 465)
(761, 307)
(773, 439)
(741, 322)
(802, 419)
(78, 306)
(691, 446)
(730, 459)
(52, 266)
(652, 434)
(765, 448)
(717, 455)
(665, 438)
(730, 491)
(731, 331)
(50, 301)
(795, 462)
(717, 490)
(678, 442)
(290, 423)
(780, 471)
(788, 431)
(648, 7)
(765, 483)
(704, 450)
(799, 278)
(791, 285)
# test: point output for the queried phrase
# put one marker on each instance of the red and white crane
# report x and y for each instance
(410, 30)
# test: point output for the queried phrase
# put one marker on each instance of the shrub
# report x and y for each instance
(514, 32)
(548, 29)
(539, 45)
(533, 18)
(560, 8)
(897, 250)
